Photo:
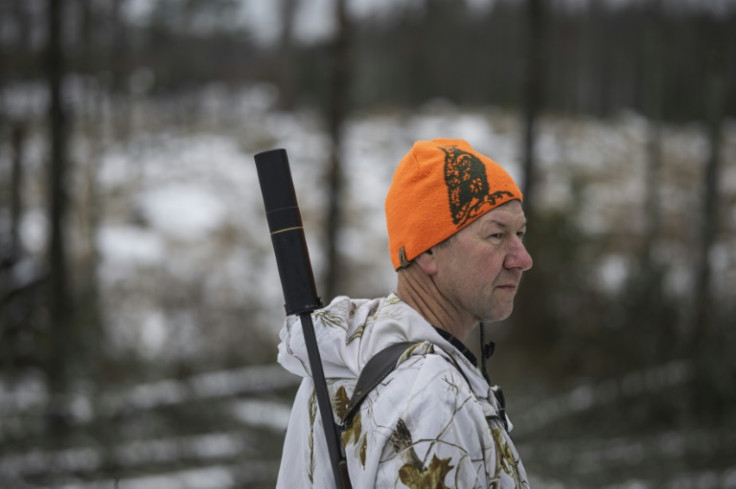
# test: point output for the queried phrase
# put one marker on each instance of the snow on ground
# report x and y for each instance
(186, 257)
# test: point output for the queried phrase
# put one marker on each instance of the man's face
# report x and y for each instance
(479, 269)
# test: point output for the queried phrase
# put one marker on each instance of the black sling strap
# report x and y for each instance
(377, 369)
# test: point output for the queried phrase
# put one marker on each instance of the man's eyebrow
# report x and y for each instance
(504, 225)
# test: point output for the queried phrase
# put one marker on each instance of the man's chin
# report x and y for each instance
(497, 316)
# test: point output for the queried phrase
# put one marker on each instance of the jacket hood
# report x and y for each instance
(350, 332)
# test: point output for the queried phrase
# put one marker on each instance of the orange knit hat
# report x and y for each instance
(440, 187)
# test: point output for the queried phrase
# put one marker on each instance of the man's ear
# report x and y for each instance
(427, 261)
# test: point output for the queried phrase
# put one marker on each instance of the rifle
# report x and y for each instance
(297, 282)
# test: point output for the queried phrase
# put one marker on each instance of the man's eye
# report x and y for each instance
(496, 236)
(521, 235)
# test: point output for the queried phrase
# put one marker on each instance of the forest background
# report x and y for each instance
(139, 299)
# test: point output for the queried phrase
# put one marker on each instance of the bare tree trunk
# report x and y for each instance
(335, 121)
(10, 312)
(702, 317)
(653, 108)
(286, 55)
(120, 99)
(532, 98)
(649, 286)
(710, 343)
(24, 24)
(60, 298)
(89, 313)
(16, 188)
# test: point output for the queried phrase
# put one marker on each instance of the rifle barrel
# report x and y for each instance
(297, 282)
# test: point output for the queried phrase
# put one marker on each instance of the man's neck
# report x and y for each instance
(419, 291)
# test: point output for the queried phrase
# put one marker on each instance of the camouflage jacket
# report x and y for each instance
(432, 423)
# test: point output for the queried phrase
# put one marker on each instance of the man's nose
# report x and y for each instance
(518, 257)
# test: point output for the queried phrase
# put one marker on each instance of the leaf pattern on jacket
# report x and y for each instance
(353, 434)
(432, 477)
(363, 450)
(329, 318)
(505, 457)
(358, 333)
(413, 473)
(312, 418)
(370, 319)
(353, 431)
(400, 440)
(341, 401)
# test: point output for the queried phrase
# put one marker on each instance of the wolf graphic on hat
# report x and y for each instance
(467, 185)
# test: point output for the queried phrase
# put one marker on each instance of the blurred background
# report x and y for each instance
(139, 298)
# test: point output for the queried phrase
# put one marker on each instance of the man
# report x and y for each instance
(455, 227)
